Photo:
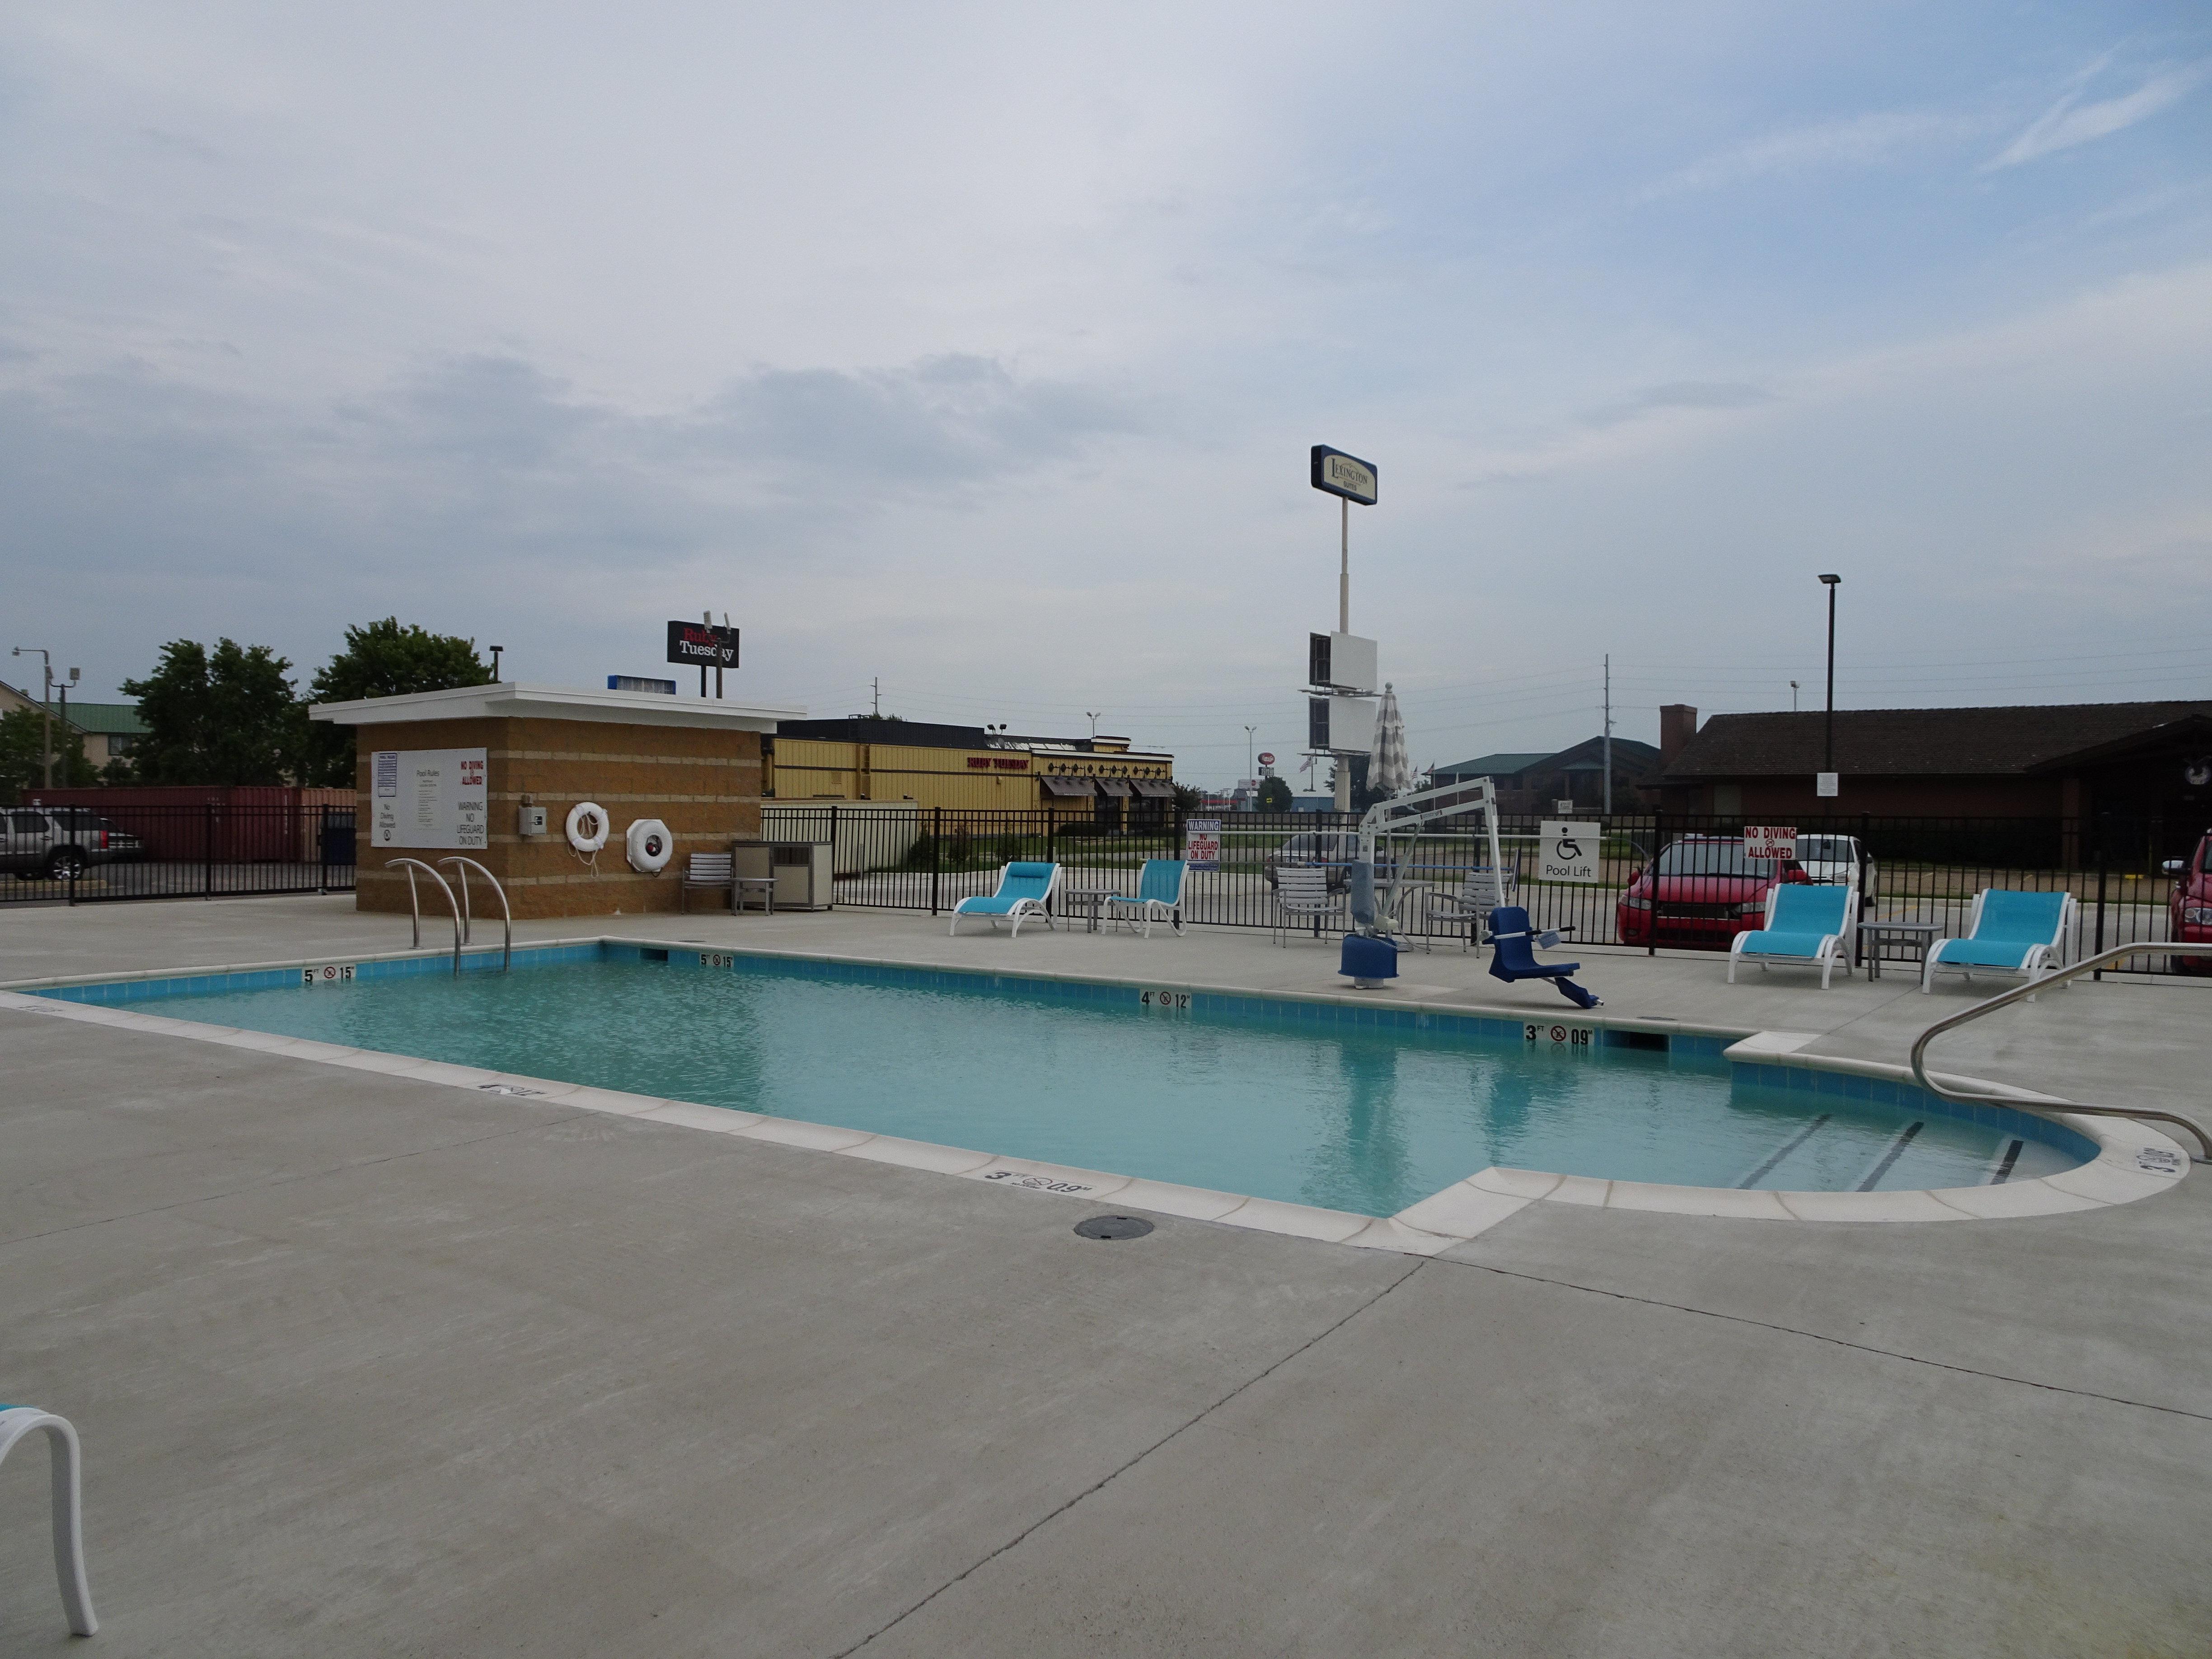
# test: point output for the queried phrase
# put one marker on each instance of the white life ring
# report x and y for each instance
(587, 826)
(650, 846)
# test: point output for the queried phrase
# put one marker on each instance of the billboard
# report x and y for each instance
(702, 645)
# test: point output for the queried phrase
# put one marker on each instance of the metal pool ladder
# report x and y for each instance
(462, 867)
(459, 905)
(2019, 993)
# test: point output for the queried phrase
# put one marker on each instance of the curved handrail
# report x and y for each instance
(2087, 964)
(414, 907)
(465, 864)
(67, 1461)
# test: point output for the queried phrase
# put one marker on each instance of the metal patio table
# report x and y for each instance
(1088, 900)
(1914, 937)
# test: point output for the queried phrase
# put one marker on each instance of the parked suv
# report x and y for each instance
(2188, 913)
(56, 843)
(1833, 858)
(1702, 893)
(1339, 849)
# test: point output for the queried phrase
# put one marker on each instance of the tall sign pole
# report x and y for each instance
(1826, 784)
(1349, 479)
(1344, 570)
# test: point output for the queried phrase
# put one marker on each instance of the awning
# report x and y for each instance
(1158, 787)
(1113, 786)
(1065, 786)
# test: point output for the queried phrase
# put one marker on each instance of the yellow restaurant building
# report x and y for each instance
(1099, 779)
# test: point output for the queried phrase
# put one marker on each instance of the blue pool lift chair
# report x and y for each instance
(2007, 933)
(1513, 956)
(1807, 925)
(1159, 896)
(16, 1422)
(1025, 889)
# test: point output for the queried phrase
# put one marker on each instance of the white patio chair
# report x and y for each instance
(1302, 895)
(15, 1422)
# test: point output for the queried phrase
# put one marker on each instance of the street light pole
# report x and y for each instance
(1094, 714)
(1828, 745)
(45, 710)
(1251, 766)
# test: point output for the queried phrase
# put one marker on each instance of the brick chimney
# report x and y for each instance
(1678, 724)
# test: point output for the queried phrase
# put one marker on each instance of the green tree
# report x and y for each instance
(225, 716)
(1274, 795)
(382, 660)
(22, 748)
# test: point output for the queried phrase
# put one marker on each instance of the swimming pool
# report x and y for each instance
(1353, 1108)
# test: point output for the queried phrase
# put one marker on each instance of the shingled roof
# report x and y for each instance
(1924, 742)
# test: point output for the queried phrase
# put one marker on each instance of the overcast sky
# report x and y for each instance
(980, 348)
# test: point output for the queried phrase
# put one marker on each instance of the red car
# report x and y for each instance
(2188, 913)
(1706, 892)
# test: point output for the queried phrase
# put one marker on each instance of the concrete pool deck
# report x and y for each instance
(365, 1364)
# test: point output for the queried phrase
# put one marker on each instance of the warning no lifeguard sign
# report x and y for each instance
(1201, 843)
(1769, 840)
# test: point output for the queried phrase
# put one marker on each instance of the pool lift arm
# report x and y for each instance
(1371, 948)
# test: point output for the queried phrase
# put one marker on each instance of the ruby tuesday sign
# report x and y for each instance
(702, 645)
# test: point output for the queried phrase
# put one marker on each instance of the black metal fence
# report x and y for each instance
(84, 855)
(1925, 870)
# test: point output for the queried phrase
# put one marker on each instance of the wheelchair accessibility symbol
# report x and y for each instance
(1569, 852)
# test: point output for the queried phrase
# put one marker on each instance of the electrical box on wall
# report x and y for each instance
(529, 820)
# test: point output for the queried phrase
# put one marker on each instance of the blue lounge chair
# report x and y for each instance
(1159, 896)
(2007, 933)
(1025, 891)
(1513, 956)
(1807, 925)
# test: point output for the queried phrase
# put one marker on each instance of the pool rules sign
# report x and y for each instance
(428, 797)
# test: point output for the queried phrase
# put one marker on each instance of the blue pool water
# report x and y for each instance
(1309, 1103)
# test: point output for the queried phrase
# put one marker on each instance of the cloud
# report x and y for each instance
(1863, 141)
(1681, 394)
(945, 421)
(2069, 122)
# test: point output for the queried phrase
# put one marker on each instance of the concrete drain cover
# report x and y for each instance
(1113, 1226)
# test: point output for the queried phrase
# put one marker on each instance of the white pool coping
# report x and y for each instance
(2133, 1162)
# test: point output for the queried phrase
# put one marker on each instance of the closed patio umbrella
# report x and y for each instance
(1387, 768)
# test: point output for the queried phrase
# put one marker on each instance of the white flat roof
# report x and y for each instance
(510, 700)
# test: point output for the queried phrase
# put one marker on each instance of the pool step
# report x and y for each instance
(1787, 1147)
(1894, 1152)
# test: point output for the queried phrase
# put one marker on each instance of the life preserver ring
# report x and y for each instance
(650, 846)
(587, 826)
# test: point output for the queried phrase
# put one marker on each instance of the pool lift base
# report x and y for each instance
(1370, 949)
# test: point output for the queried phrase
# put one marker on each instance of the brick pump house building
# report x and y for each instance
(2132, 775)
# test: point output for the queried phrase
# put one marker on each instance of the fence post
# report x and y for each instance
(2099, 975)
(207, 850)
(936, 852)
(322, 850)
(1651, 887)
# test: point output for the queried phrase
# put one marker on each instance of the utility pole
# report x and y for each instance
(876, 695)
(1828, 749)
(46, 709)
(1609, 734)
